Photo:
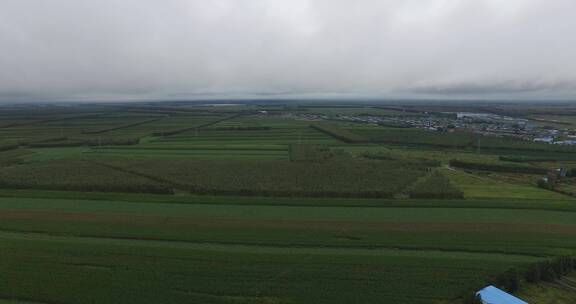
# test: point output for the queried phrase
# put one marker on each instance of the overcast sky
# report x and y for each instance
(116, 49)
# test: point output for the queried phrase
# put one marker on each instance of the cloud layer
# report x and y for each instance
(108, 49)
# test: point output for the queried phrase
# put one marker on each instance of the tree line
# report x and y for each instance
(512, 280)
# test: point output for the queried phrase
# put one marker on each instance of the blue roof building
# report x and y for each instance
(493, 295)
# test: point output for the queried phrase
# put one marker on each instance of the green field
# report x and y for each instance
(187, 203)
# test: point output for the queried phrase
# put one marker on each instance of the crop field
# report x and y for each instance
(283, 254)
(71, 175)
(279, 178)
(257, 203)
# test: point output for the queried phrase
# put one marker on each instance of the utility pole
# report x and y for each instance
(478, 146)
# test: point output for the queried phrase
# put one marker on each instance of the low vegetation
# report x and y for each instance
(280, 178)
(76, 175)
(435, 185)
(310, 153)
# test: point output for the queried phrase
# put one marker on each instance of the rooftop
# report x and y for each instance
(493, 295)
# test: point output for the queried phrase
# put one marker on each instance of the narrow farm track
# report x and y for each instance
(257, 247)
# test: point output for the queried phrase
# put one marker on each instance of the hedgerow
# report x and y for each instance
(339, 133)
(512, 279)
(497, 167)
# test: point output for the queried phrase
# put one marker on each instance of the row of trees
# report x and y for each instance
(182, 130)
(8, 147)
(241, 128)
(526, 159)
(127, 141)
(424, 162)
(135, 124)
(512, 280)
(340, 134)
(497, 167)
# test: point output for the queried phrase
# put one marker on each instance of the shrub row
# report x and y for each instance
(497, 167)
(240, 128)
(8, 147)
(87, 142)
(511, 280)
(99, 131)
(340, 134)
(178, 131)
(525, 159)
(425, 162)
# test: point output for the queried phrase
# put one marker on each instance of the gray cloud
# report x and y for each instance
(107, 49)
(489, 88)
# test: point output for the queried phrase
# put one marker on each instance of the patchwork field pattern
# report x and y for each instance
(265, 203)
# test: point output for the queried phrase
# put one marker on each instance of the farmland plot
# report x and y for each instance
(280, 178)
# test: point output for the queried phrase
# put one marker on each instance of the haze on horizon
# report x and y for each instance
(150, 49)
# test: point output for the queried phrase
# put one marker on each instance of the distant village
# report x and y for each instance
(478, 123)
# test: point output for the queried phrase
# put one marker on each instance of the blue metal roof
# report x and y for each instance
(493, 295)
